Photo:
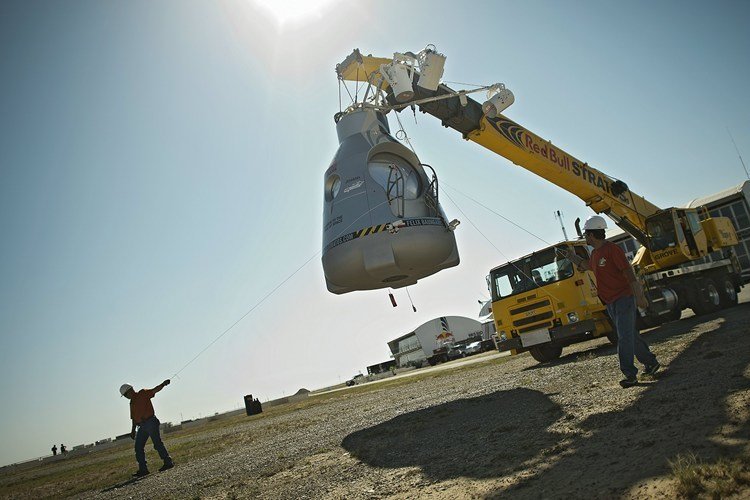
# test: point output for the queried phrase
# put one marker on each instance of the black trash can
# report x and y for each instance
(252, 406)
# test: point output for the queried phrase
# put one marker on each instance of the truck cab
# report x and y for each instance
(542, 302)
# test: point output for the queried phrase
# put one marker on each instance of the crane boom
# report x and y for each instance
(601, 193)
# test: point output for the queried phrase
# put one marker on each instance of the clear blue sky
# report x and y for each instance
(161, 170)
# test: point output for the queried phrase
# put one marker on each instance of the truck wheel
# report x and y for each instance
(545, 353)
(709, 299)
(674, 314)
(728, 293)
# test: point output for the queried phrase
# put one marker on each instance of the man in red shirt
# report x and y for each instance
(143, 417)
(620, 291)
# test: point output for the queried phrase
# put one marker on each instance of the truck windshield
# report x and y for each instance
(539, 269)
(661, 231)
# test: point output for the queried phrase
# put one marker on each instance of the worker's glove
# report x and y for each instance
(166, 382)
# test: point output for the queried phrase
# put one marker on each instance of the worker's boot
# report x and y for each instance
(141, 473)
(628, 382)
(168, 464)
(651, 370)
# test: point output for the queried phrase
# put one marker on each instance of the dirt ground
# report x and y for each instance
(506, 427)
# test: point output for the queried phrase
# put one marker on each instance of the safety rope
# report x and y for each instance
(346, 88)
(464, 84)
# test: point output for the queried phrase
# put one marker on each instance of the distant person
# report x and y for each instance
(54, 450)
(63, 451)
(143, 417)
(620, 291)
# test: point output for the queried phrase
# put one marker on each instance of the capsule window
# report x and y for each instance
(395, 175)
(332, 187)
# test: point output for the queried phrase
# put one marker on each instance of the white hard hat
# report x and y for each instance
(124, 388)
(595, 222)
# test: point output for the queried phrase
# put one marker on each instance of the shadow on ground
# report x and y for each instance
(466, 437)
(685, 411)
(492, 436)
(121, 484)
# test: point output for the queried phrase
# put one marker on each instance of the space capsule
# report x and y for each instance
(382, 223)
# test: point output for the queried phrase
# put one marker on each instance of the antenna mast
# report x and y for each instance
(558, 216)
(738, 153)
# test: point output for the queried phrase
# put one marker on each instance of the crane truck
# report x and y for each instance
(542, 313)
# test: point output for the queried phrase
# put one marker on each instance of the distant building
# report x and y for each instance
(383, 367)
(416, 346)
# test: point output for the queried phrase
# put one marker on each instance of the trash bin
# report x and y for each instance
(252, 406)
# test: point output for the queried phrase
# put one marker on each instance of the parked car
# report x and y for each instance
(357, 379)
(473, 348)
(456, 351)
(489, 345)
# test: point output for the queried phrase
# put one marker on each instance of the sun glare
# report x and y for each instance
(285, 11)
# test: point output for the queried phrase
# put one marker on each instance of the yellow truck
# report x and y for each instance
(542, 302)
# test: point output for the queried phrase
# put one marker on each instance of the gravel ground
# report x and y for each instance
(494, 430)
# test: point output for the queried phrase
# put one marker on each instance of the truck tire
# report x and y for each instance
(708, 300)
(728, 293)
(545, 353)
(674, 315)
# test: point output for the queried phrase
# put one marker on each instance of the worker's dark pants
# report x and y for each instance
(629, 341)
(149, 429)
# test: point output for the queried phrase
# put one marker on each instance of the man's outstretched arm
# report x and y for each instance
(161, 386)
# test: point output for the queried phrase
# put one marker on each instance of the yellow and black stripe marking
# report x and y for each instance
(369, 230)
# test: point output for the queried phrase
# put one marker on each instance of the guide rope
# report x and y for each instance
(271, 292)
